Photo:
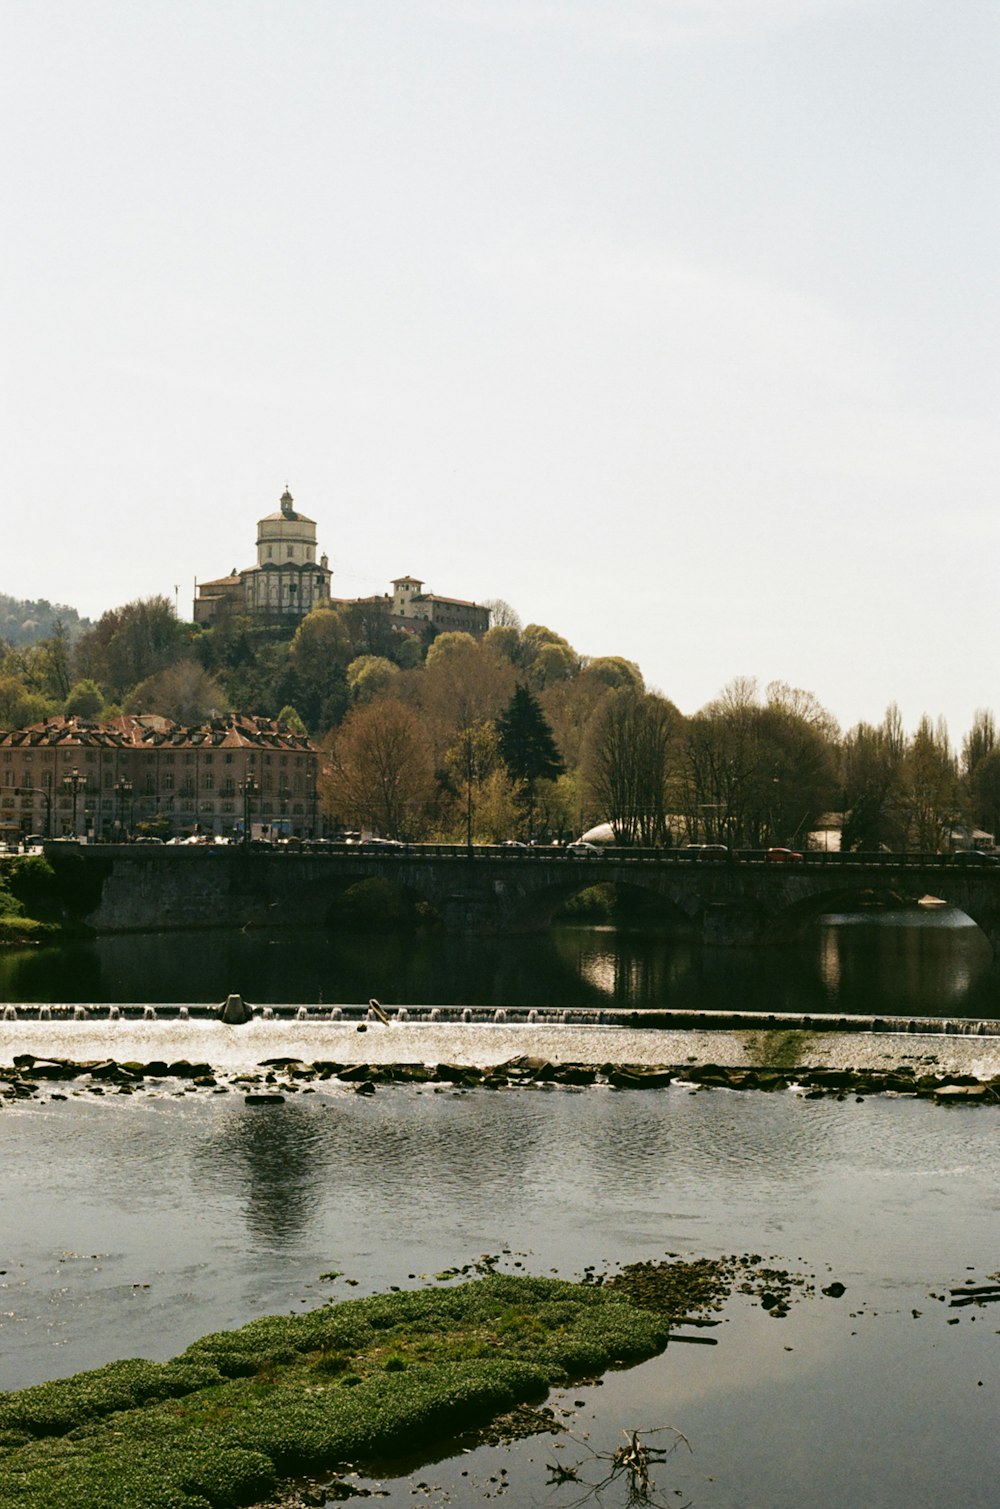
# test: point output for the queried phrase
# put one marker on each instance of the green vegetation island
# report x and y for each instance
(242, 1415)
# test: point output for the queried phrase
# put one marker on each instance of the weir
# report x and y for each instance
(353, 1034)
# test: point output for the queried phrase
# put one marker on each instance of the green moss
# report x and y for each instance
(778, 1050)
(221, 1423)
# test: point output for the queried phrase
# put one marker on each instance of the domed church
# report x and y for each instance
(286, 583)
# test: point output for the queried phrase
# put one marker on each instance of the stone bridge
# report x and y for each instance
(124, 888)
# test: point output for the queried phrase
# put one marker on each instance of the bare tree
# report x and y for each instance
(379, 771)
(502, 615)
(628, 757)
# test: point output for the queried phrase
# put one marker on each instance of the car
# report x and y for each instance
(974, 857)
(581, 849)
(780, 856)
(513, 843)
(707, 852)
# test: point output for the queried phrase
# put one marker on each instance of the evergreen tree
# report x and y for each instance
(527, 748)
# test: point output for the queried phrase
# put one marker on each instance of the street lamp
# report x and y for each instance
(311, 797)
(75, 783)
(123, 791)
(249, 788)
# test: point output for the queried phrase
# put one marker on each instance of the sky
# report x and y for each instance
(673, 323)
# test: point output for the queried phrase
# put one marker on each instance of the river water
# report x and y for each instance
(914, 963)
(133, 1225)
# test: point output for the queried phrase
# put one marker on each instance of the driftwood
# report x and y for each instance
(633, 1462)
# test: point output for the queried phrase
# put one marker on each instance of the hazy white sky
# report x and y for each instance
(672, 322)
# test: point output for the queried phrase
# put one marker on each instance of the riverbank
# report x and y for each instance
(239, 1412)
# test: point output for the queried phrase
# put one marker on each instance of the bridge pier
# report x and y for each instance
(733, 924)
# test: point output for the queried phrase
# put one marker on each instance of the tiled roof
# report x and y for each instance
(130, 731)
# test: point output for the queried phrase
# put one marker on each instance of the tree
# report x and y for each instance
(369, 625)
(469, 763)
(615, 671)
(85, 700)
(979, 782)
(527, 749)
(289, 718)
(380, 772)
(316, 679)
(131, 643)
(184, 692)
(547, 656)
(630, 748)
(369, 675)
(19, 707)
(930, 786)
(502, 615)
(871, 773)
(504, 640)
(755, 775)
(448, 645)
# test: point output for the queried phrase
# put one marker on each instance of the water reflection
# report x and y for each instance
(267, 1157)
(909, 963)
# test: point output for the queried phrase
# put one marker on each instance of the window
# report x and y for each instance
(168, 781)
(207, 781)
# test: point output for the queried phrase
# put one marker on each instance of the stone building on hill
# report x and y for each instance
(288, 582)
(101, 780)
(410, 609)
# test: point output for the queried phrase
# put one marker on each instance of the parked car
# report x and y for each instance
(779, 856)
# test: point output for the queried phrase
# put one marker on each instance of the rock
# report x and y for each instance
(365, 1088)
(834, 1290)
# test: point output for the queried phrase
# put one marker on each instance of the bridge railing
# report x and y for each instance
(555, 854)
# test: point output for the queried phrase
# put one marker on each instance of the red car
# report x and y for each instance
(781, 856)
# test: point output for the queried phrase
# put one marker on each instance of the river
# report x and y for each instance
(133, 1225)
(912, 963)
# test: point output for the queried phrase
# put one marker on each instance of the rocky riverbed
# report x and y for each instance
(960, 1071)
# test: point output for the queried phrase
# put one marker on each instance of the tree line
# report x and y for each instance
(515, 735)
